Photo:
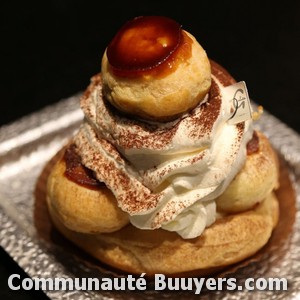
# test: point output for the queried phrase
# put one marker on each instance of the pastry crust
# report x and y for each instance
(229, 240)
(160, 98)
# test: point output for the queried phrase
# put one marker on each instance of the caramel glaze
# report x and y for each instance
(78, 173)
(253, 144)
(148, 47)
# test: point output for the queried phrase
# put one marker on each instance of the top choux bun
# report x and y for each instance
(154, 70)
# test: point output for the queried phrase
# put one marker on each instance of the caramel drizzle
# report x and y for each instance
(77, 172)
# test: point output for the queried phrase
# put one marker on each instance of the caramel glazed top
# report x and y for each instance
(118, 173)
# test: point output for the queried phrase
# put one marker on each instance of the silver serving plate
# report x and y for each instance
(26, 146)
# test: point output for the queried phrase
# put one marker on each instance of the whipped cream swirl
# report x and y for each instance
(165, 175)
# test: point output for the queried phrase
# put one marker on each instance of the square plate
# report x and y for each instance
(28, 144)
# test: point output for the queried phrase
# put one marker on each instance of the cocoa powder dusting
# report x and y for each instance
(132, 196)
(96, 81)
(202, 124)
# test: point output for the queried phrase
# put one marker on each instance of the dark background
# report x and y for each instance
(50, 49)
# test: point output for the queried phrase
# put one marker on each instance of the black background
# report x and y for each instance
(50, 49)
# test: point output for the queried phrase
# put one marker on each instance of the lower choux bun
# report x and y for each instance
(256, 179)
(160, 98)
(82, 209)
(229, 240)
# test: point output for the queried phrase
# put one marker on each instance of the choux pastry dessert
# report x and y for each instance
(164, 174)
